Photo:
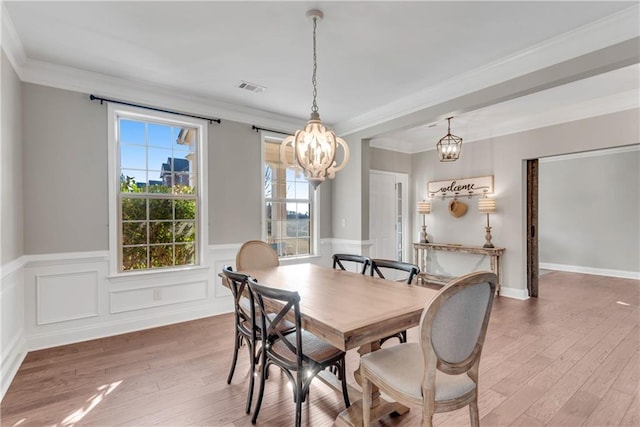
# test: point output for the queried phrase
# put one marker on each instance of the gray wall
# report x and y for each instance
(11, 157)
(390, 161)
(589, 210)
(65, 176)
(65, 171)
(505, 158)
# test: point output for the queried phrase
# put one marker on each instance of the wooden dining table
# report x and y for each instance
(350, 310)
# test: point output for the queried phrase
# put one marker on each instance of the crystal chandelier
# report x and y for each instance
(315, 147)
(449, 146)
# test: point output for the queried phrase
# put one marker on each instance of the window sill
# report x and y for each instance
(298, 259)
(122, 277)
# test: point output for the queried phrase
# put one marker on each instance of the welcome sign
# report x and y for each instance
(476, 186)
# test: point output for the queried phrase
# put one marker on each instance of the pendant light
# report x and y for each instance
(449, 146)
(315, 147)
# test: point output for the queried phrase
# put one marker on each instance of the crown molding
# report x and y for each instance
(68, 78)
(619, 102)
(11, 43)
(594, 153)
(608, 31)
(605, 32)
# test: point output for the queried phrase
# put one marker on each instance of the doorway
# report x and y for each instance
(388, 215)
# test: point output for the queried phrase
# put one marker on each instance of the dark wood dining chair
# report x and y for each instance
(299, 354)
(246, 328)
(378, 266)
(359, 260)
(439, 373)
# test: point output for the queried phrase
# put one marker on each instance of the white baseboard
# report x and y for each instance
(11, 361)
(590, 270)
(521, 294)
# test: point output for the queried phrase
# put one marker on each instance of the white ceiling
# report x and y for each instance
(376, 60)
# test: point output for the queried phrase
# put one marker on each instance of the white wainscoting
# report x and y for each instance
(13, 347)
(55, 299)
(66, 296)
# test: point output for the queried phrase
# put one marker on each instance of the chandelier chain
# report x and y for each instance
(314, 81)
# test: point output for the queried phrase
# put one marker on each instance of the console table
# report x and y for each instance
(422, 253)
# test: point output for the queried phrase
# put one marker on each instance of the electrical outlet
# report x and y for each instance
(157, 294)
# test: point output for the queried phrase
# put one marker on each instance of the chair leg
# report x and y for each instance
(251, 347)
(427, 415)
(473, 412)
(299, 400)
(261, 390)
(343, 379)
(404, 336)
(366, 400)
(235, 357)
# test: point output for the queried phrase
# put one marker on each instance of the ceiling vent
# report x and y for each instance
(252, 87)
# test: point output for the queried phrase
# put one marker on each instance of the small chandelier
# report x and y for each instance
(449, 146)
(315, 147)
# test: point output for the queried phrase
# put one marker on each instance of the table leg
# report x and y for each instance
(380, 407)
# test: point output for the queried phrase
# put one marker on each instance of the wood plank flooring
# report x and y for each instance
(569, 358)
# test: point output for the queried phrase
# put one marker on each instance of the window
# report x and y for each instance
(156, 201)
(289, 206)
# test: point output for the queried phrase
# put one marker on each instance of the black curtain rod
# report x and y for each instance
(102, 100)
(257, 129)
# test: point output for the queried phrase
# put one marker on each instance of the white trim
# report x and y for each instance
(11, 43)
(68, 78)
(403, 178)
(41, 320)
(12, 266)
(63, 258)
(11, 358)
(600, 34)
(605, 32)
(114, 112)
(590, 270)
(314, 197)
(593, 153)
(521, 294)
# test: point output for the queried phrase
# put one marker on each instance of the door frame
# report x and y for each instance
(403, 178)
(532, 228)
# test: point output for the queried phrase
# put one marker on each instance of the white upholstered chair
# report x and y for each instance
(256, 254)
(439, 373)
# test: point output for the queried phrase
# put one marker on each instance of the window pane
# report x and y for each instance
(134, 233)
(161, 256)
(302, 190)
(287, 204)
(133, 181)
(185, 209)
(160, 209)
(304, 246)
(132, 132)
(159, 136)
(134, 258)
(161, 232)
(159, 159)
(185, 254)
(185, 231)
(159, 162)
(134, 209)
(133, 157)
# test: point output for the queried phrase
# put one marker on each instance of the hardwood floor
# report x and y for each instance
(569, 358)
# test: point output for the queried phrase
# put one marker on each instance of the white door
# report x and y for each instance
(387, 215)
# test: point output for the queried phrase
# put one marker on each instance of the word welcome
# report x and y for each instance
(461, 186)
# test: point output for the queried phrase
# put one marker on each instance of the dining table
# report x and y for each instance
(350, 310)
